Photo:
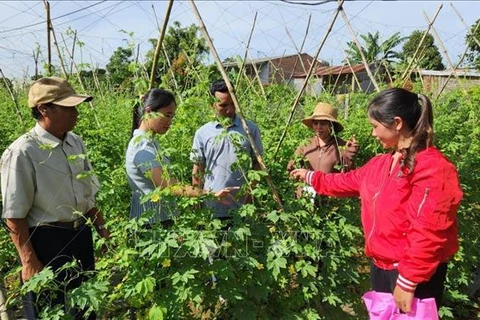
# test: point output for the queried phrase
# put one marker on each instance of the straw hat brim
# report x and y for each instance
(336, 125)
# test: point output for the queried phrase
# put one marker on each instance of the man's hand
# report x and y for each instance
(225, 194)
(299, 174)
(403, 299)
(30, 269)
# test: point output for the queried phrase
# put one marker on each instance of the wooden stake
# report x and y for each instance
(35, 59)
(81, 83)
(309, 74)
(299, 51)
(477, 41)
(159, 45)
(73, 50)
(359, 47)
(458, 64)
(447, 57)
(172, 74)
(247, 48)
(237, 106)
(353, 72)
(408, 71)
(14, 99)
(49, 46)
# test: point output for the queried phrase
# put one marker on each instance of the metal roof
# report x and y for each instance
(266, 59)
(448, 72)
(335, 70)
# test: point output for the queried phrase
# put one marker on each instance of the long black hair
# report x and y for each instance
(414, 109)
(155, 99)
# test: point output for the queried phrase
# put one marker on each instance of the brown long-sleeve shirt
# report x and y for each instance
(324, 158)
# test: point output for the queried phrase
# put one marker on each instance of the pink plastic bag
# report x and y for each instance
(381, 306)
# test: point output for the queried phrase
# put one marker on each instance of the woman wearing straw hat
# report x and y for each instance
(325, 151)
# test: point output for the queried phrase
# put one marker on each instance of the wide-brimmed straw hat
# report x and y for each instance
(324, 111)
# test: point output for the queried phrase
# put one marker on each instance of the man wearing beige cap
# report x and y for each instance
(48, 192)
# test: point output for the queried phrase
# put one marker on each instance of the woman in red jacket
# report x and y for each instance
(409, 199)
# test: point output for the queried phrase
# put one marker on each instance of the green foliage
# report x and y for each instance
(118, 66)
(304, 262)
(373, 50)
(472, 40)
(179, 62)
(428, 56)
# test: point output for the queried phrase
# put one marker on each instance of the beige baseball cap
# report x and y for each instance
(54, 90)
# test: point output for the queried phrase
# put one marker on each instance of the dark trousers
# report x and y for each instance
(385, 281)
(54, 247)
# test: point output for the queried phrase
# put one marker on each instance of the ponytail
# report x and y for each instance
(422, 133)
(416, 112)
(137, 113)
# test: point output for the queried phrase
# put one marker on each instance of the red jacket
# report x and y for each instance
(409, 221)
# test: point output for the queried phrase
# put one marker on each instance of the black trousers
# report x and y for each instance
(385, 281)
(54, 247)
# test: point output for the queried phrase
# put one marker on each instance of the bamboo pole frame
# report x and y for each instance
(359, 47)
(462, 57)
(466, 26)
(309, 74)
(81, 81)
(408, 70)
(299, 50)
(159, 44)
(14, 99)
(447, 57)
(246, 56)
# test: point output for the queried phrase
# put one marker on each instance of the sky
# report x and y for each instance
(280, 27)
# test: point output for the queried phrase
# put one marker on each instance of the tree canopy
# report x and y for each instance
(182, 50)
(373, 49)
(428, 57)
(118, 66)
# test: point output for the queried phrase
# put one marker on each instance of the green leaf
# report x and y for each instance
(157, 312)
(146, 286)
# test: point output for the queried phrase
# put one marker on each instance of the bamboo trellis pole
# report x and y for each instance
(299, 55)
(237, 106)
(49, 46)
(55, 42)
(244, 61)
(447, 57)
(247, 48)
(14, 99)
(477, 41)
(359, 47)
(299, 50)
(167, 59)
(353, 72)
(458, 64)
(81, 83)
(408, 71)
(309, 74)
(73, 50)
(257, 76)
(159, 44)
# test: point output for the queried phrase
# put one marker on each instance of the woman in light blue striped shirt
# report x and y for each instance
(147, 165)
